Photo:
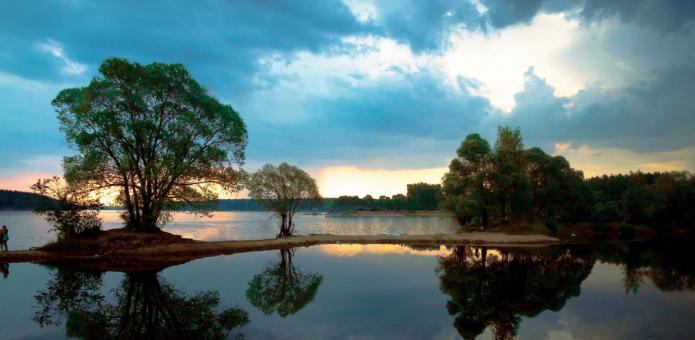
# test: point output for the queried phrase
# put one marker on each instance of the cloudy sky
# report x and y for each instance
(370, 95)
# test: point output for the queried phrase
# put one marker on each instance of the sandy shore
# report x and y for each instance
(186, 250)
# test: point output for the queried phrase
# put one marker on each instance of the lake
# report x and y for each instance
(637, 290)
(30, 230)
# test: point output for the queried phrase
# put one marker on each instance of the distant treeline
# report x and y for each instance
(19, 200)
(419, 196)
(658, 199)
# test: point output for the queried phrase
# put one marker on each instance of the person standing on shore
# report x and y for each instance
(4, 237)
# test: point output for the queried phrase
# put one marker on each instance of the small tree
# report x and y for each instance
(283, 189)
(70, 211)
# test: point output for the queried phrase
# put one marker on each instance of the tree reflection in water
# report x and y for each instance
(146, 307)
(667, 264)
(282, 288)
(494, 288)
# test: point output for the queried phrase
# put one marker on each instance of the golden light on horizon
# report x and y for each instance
(335, 181)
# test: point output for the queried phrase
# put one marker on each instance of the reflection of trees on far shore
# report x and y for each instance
(490, 288)
(496, 287)
(283, 288)
(667, 264)
(145, 307)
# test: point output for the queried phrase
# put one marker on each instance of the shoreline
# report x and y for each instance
(185, 250)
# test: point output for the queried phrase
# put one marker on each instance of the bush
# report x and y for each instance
(69, 212)
(71, 245)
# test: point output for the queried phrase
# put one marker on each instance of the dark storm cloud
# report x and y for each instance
(416, 120)
(662, 15)
(655, 115)
(419, 114)
(219, 41)
(424, 25)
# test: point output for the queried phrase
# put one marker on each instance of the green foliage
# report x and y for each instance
(152, 134)
(511, 183)
(467, 186)
(662, 200)
(423, 196)
(283, 189)
(69, 210)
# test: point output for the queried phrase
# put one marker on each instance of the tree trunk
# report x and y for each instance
(284, 225)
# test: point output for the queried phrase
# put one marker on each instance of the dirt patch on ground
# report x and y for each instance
(118, 240)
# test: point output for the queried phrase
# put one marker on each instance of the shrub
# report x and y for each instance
(69, 212)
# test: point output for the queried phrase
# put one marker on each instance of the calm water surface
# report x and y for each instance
(602, 291)
(30, 230)
(367, 292)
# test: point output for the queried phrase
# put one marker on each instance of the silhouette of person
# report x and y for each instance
(4, 237)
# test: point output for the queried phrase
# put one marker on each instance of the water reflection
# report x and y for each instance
(494, 288)
(350, 250)
(380, 292)
(669, 265)
(282, 287)
(5, 270)
(145, 307)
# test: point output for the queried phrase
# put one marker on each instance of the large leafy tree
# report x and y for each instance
(283, 189)
(509, 179)
(466, 186)
(153, 134)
